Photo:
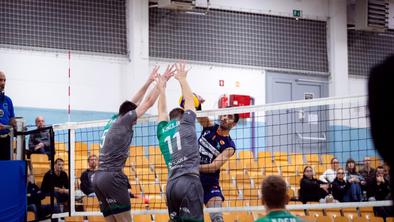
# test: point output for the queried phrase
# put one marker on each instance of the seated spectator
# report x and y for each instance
(339, 186)
(86, 185)
(329, 175)
(311, 189)
(378, 187)
(367, 172)
(40, 142)
(59, 182)
(275, 198)
(34, 197)
(355, 180)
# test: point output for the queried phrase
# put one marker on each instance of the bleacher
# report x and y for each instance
(240, 180)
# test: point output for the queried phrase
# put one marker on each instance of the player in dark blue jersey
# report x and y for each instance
(216, 147)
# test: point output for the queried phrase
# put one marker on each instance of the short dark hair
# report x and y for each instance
(274, 192)
(236, 118)
(58, 160)
(126, 107)
(93, 155)
(176, 113)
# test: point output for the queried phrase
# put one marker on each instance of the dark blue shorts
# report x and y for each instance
(212, 191)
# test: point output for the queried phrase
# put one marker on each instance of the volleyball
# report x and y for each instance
(195, 99)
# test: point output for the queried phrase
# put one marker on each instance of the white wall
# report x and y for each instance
(312, 9)
(358, 86)
(40, 80)
(204, 80)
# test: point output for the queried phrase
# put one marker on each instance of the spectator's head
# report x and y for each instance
(59, 162)
(274, 192)
(126, 107)
(40, 122)
(92, 161)
(340, 174)
(308, 172)
(379, 171)
(176, 113)
(227, 122)
(367, 162)
(334, 163)
(2, 81)
(351, 166)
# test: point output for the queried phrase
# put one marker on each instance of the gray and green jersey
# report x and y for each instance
(279, 216)
(178, 144)
(116, 139)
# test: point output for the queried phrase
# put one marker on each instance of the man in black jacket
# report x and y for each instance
(86, 184)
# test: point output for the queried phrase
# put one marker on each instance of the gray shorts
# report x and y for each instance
(185, 198)
(111, 189)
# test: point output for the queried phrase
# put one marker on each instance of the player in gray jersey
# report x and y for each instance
(109, 182)
(178, 144)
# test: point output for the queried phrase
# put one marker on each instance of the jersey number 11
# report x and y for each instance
(178, 142)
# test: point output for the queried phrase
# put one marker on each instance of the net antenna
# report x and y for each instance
(195, 7)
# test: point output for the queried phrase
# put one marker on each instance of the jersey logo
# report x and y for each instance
(222, 142)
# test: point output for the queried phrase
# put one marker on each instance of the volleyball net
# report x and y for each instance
(272, 139)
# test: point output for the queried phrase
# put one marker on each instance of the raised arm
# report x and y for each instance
(180, 75)
(219, 161)
(162, 104)
(137, 98)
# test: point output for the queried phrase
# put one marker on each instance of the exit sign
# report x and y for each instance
(297, 13)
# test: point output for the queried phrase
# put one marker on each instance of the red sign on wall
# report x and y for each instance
(221, 82)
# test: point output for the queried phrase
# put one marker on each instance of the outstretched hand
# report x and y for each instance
(154, 74)
(181, 71)
(170, 71)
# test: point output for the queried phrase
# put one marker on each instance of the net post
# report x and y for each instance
(71, 170)
(20, 139)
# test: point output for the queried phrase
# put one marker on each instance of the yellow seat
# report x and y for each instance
(90, 204)
(30, 216)
(281, 157)
(162, 217)
(237, 216)
(326, 159)
(96, 219)
(145, 175)
(341, 219)
(308, 218)
(324, 219)
(60, 147)
(151, 189)
(74, 219)
(142, 218)
(312, 158)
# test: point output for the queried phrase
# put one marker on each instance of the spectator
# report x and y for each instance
(7, 117)
(39, 142)
(59, 182)
(34, 197)
(367, 172)
(86, 185)
(355, 180)
(311, 189)
(274, 198)
(329, 175)
(339, 186)
(378, 186)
